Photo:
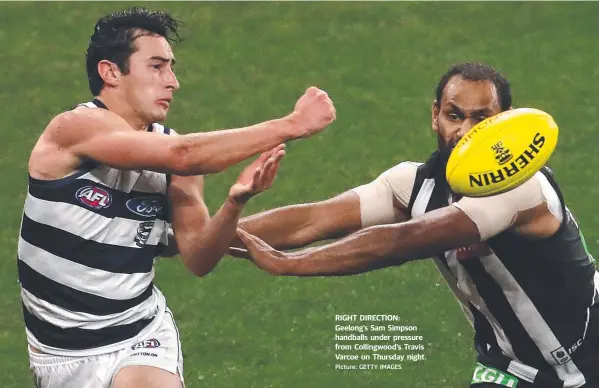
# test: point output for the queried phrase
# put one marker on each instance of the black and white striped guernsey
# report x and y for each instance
(533, 304)
(85, 257)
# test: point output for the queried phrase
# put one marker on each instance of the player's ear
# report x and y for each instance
(109, 72)
(435, 116)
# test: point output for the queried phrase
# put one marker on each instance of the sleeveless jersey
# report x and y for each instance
(532, 303)
(86, 251)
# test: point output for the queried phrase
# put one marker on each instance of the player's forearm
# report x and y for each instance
(366, 250)
(204, 251)
(213, 152)
(284, 228)
(363, 251)
(384, 245)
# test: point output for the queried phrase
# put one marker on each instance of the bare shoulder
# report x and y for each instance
(52, 156)
(401, 178)
(70, 126)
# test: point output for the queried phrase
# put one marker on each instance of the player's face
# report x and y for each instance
(151, 82)
(463, 105)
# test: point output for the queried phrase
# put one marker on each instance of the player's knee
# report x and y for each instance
(145, 377)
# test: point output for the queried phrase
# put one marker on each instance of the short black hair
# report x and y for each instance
(114, 35)
(478, 72)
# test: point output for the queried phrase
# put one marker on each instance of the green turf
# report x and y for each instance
(248, 62)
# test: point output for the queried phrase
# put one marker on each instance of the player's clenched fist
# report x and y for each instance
(313, 112)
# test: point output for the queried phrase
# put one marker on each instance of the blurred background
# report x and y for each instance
(242, 63)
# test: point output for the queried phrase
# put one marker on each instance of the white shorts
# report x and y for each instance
(160, 349)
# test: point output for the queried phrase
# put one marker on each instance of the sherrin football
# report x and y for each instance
(501, 152)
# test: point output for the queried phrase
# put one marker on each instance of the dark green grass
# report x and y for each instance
(248, 62)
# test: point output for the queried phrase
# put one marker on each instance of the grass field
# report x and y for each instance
(247, 62)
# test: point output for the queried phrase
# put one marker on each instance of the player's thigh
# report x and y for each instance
(142, 376)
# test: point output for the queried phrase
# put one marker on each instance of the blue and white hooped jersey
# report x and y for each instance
(85, 257)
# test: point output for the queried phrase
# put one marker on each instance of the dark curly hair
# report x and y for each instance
(478, 72)
(114, 35)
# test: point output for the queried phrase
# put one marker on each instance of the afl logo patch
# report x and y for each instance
(94, 197)
(145, 207)
(149, 343)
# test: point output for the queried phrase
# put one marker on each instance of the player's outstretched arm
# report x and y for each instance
(300, 225)
(524, 210)
(381, 201)
(103, 136)
(202, 241)
(370, 248)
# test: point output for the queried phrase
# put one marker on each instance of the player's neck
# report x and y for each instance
(120, 107)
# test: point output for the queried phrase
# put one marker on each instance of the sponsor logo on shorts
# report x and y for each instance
(148, 344)
(487, 178)
(145, 354)
(145, 207)
(486, 374)
(94, 197)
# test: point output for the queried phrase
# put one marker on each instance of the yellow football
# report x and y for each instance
(501, 152)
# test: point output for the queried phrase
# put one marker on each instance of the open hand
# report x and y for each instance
(260, 253)
(258, 176)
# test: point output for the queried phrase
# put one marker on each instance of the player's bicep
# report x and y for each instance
(130, 150)
(187, 207)
(188, 211)
(105, 137)
(495, 214)
(385, 200)
(335, 217)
